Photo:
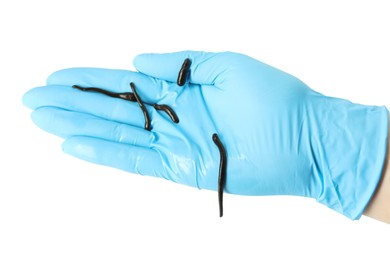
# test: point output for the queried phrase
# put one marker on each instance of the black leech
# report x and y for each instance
(183, 73)
(130, 97)
(181, 80)
(222, 172)
(143, 108)
(125, 95)
(167, 109)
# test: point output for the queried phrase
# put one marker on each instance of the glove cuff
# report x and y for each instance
(350, 150)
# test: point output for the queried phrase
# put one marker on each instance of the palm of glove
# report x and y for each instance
(258, 112)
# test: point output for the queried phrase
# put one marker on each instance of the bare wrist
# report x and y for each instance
(379, 206)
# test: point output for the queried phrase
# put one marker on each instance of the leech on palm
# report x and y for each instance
(280, 136)
(181, 80)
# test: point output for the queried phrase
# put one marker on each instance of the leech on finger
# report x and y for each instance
(183, 73)
(222, 172)
(142, 106)
(167, 109)
(124, 95)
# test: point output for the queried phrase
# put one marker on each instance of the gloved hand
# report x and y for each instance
(281, 137)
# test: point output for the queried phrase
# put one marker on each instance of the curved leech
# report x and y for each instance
(222, 172)
(143, 108)
(183, 73)
(167, 109)
(130, 97)
(124, 95)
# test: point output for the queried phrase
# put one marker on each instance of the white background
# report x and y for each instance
(53, 206)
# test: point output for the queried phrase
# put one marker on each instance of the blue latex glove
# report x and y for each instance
(281, 137)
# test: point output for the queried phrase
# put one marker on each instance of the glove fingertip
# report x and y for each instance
(140, 60)
(73, 147)
(36, 115)
(29, 98)
(57, 77)
(26, 99)
(52, 77)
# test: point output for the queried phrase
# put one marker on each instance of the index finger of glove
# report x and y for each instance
(150, 89)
